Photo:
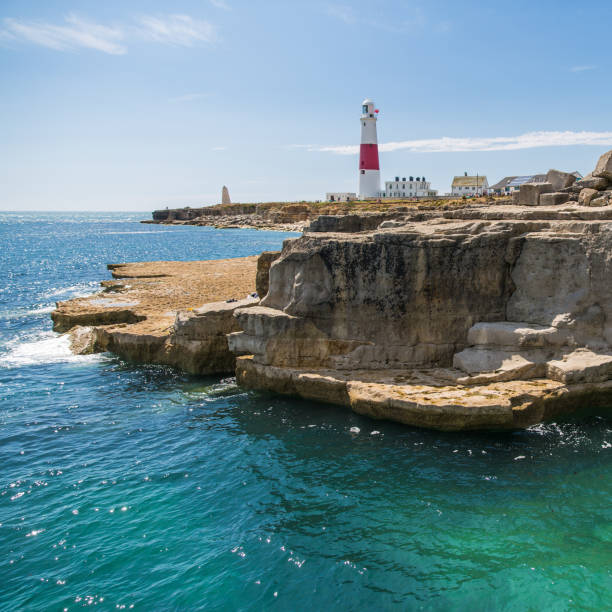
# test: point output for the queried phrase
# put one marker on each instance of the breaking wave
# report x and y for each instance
(45, 348)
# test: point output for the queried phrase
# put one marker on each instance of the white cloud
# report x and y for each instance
(582, 68)
(180, 30)
(530, 140)
(189, 97)
(76, 33)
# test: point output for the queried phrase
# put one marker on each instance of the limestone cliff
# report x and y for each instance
(478, 318)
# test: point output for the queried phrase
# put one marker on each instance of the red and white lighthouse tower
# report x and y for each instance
(369, 167)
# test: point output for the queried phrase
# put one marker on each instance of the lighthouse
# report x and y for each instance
(369, 168)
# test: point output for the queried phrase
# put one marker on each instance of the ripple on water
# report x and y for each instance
(137, 486)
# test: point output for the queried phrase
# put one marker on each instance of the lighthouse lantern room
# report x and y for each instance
(369, 167)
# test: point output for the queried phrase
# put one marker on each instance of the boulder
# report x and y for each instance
(581, 366)
(586, 195)
(574, 189)
(604, 166)
(509, 364)
(593, 182)
(603, 199)
(529, 194)
(560, 180)
(509, 334)
(554, 199)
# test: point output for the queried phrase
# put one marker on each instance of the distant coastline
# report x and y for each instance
(295, 216)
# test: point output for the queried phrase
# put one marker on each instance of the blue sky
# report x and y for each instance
(135, 105)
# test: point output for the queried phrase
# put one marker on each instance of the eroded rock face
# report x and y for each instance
(408, 298)
(198, 343)
(389, 299)
(264, 261)
(497, 315)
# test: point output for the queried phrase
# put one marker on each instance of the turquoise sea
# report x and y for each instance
(130, 487)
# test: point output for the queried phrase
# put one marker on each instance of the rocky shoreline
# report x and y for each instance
(474, 317)
(170, 313)
(297, 217)
(273, 216)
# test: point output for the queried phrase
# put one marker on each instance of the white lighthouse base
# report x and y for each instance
(369, 184)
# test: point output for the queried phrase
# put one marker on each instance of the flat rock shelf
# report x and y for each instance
(167, 312)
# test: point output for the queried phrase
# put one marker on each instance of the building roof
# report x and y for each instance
(505, 182)
(517, 181)
(532, 178)
(470, 181)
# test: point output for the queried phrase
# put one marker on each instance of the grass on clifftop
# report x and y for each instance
(360, 205)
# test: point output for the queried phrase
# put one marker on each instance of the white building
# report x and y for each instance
(340, 196)
(470, 185)
(409, 188)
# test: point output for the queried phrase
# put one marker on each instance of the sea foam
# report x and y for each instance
(47, 347)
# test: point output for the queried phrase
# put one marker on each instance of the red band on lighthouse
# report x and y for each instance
(368, 157)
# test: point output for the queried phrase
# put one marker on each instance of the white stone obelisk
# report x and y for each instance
(225, 199)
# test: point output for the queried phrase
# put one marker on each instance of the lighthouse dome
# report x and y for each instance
(367, 109)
